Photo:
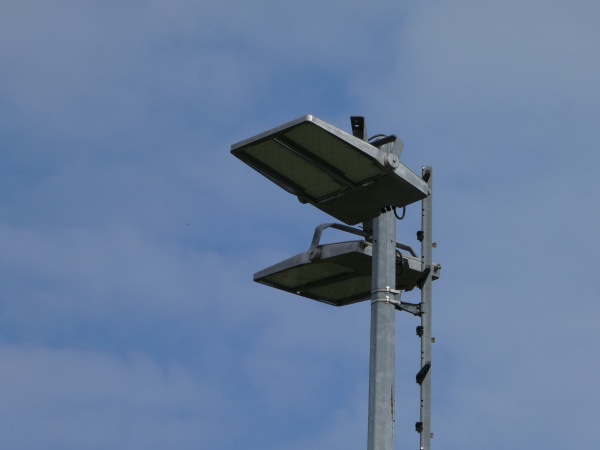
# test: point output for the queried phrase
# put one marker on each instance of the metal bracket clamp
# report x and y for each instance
(416, 309)
(388, 293)
(423, 372)
(413, 308)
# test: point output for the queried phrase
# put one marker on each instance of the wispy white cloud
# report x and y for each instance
(61, 398)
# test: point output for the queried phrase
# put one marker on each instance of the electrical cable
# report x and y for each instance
(376, 136)
(403, 213)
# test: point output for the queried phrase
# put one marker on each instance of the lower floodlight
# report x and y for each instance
(342, 175)
(338, 274)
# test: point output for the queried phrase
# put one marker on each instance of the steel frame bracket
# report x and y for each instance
(416, 309)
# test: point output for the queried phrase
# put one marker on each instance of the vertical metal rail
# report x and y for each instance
(424, 376)
(383, 335)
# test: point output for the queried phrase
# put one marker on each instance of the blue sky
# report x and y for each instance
(129, 234)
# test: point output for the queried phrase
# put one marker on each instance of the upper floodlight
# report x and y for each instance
(338, 173)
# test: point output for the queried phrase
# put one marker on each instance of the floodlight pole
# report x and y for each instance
(382, 370)
(382, 364)
(383, 335)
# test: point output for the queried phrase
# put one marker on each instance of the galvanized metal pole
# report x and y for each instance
(383, 335)
(424, 426)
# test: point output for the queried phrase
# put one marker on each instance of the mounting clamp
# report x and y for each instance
(388, 293)
(415, 309)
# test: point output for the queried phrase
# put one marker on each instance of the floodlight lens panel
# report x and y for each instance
(343, 290)
(350, 161)
(280, 160)
(296, 278)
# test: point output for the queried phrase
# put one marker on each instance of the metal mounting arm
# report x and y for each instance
(314, 246)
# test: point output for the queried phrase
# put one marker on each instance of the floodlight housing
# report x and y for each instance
(338, 274)
(335, 171)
